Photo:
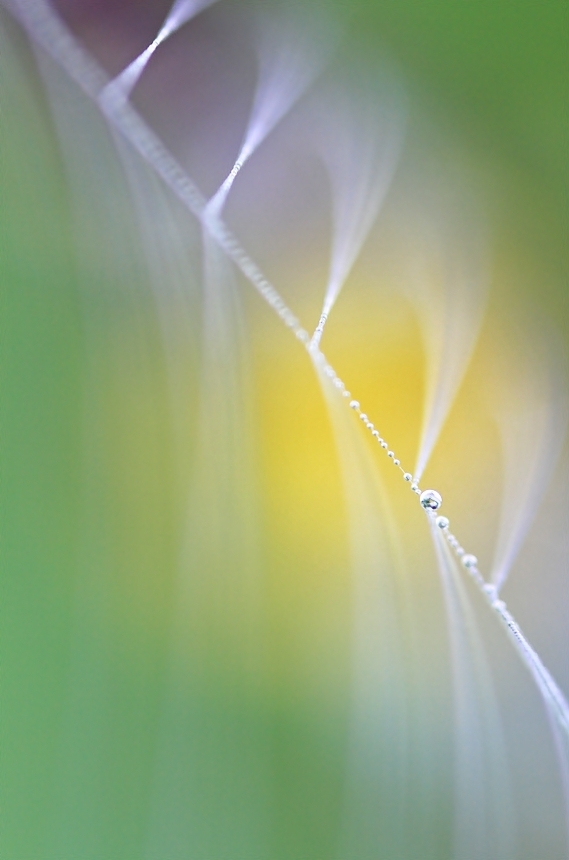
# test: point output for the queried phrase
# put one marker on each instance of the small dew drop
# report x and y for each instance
(354, 404)
(469, 560)
(442, 522)
(407, 476)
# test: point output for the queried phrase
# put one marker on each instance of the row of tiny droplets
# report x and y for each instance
(45, 28)
(430, 500)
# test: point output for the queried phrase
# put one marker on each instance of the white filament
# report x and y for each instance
(448, 286)
(291, 51)
(220, 538)
(483, 802)
(555, 703)
(181, 12)
(379, 731)
(357, 132)
(531, 410)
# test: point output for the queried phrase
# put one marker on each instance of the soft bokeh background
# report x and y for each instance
(223, 630)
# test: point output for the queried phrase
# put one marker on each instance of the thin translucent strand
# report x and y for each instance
(181, 12)
(289, 59)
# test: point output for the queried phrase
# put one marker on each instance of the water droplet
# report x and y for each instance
(469, 560)
(407, 476)
(354, 404)
(431, 500)
(443, 522)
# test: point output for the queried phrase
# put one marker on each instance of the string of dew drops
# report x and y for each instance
(46, 28)
(431, 502)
